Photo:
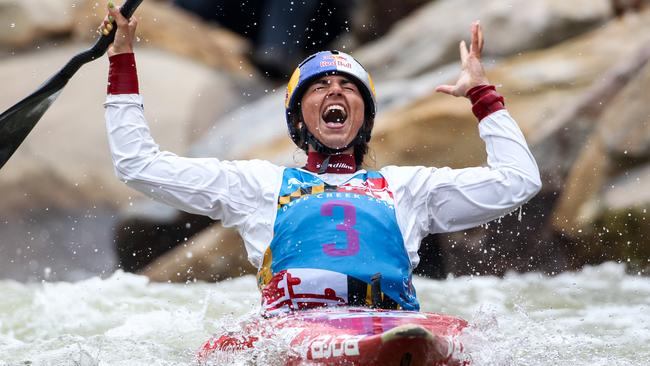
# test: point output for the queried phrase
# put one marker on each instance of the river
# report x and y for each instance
(598, 316)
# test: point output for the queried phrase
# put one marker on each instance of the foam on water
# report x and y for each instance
(598, 316)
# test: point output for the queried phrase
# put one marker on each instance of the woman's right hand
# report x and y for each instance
(125, 33)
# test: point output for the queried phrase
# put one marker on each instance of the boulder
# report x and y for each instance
(372, 19)
(165, 27)
(627, 191)
(148, 229)
(607, 133)
(618, 217)
(213, 255)
(625, 124)
(429, 37)
(27, 22)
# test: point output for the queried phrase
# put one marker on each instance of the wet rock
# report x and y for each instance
(618, 218)
(148, 229)
(26, 22)
(213, 255)
(227, 139)
(587, 176)
(625, 125)
(429, 37)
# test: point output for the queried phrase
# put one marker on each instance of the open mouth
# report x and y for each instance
(335, 114)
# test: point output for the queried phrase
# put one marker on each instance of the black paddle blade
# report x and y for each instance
(19, 120)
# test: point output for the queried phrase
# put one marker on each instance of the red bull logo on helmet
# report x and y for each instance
(335, 61)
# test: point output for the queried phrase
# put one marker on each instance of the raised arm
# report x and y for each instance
(457, 199)
(461, 198)
(228, 191)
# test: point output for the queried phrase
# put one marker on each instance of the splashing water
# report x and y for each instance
(598, 316)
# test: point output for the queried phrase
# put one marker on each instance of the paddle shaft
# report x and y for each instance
(17, 121)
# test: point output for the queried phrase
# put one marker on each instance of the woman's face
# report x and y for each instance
(333, 110)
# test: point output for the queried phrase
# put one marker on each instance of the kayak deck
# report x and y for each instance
(347, 336)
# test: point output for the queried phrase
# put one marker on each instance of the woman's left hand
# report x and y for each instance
(472, 73)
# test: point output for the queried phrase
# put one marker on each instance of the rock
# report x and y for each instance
(627, 191)
(373, 19)
(429, 37)
(149, 229)
(163, 26)
(589, 172)
(618, 217)
(230, 136)
(213, 255)
(534, 93)
(595, 123)
(625, 124)
(27, 22)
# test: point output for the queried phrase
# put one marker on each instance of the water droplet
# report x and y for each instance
(12, 25)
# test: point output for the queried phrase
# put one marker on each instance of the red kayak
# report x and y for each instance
(346, 336)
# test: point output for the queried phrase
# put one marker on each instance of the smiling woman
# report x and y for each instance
(330, 233)
(330, 106)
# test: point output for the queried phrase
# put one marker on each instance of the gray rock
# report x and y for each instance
(429, 37)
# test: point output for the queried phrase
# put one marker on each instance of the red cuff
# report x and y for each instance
(485, 100)
(122, 74)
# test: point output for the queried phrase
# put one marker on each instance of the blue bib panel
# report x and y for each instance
(349, 229)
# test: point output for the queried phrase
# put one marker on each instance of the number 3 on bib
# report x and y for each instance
(349, 219)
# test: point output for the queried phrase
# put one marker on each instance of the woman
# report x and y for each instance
(329, 233)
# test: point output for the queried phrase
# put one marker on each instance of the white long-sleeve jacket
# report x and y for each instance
(244, 194)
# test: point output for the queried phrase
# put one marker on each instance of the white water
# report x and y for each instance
(599, 316)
